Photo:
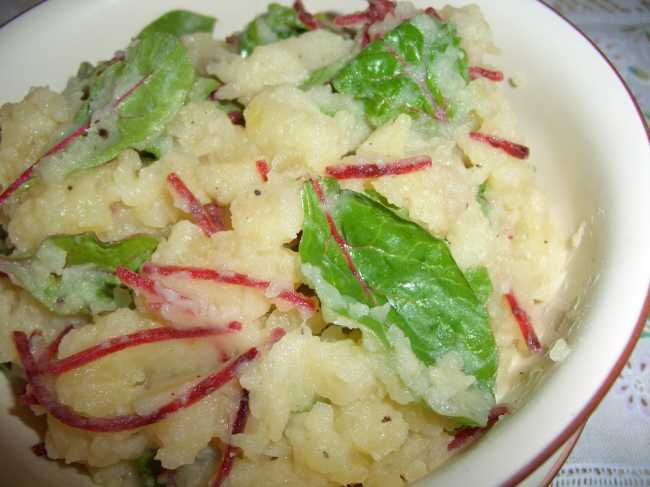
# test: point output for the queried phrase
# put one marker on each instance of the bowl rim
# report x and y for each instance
(588, 409)
(576, 426)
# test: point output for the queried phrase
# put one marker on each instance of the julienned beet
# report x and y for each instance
(312, 253)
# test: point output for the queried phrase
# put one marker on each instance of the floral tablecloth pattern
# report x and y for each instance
(614, 449)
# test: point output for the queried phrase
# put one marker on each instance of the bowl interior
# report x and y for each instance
(589, 145)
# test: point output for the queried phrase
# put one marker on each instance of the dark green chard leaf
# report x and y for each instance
(418, 68)
(479, 280)
(72, 274)
(279, 22)
(179, 23)
(129, 104)
(403, 286)
(148, 469)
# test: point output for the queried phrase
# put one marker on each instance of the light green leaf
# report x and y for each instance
(415, 294)
(179, 23)
(73, 274)
(418, 68)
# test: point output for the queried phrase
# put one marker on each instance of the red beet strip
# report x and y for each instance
(263, 169)
(338, 238)
(525, 325)
(52, 349)
(27, 174)
(233, 278)
(43, 391)
(230, 452)
(515, 150)
(117, 344)
(196, 209)
(305, 17)
(372, 170)
(215, 213)
(433, 13)
(237, 118)
(463, 435)
(130, 91)
(137, 282)
(476, 72)
(376, 12)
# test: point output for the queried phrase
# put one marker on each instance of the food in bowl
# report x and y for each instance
(312, 253)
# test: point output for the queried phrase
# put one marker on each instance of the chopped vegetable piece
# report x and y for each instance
(234, 278)
(203, 89)
(478, 72)
(479, 279)
(376, 11)
(277, 23)
(148, 469)
(406, 285)
(305, 17)
(418, 68)
(463, 435)
(217, 216)
(481, 198)
(371, 170)
(73, 274)
(43, 390)
(524, 323)
(179, 23)
(263, 169)
(433, 13)
(237, 117)
(230, 452)
(192, 205)
(515, 150)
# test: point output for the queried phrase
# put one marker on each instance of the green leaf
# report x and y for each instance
(479, 279)
(202, 88)
(179, 23)
(148, 469)
(481, 199)
(130, 103)
(418, 303)
(277, 23)
(418, 68)
(73, 274)
(324, 75)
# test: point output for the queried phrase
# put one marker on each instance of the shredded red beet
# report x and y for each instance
(194, 206)
(27, 174)
(371, 170)
(463, 435)
(233, 278)
(305, 17)
(478, 72)
(39, 450)
(376, 12)
(433, 13)
(43, 390)
(237, 118)
(116, 344)
(515, 150)
(216, 214)
(343, 245)
(230, 452)
(130, 91)
(263, 168)
(525, 325)
(52, 349)
(136, 281)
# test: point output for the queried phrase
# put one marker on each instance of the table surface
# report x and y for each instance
(614, 449)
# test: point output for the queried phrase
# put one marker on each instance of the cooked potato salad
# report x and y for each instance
(312, 253)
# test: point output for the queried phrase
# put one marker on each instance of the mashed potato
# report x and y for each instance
(326, 405)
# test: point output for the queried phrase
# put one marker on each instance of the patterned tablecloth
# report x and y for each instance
(614, 449)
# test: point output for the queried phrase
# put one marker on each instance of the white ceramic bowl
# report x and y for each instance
(590, 144)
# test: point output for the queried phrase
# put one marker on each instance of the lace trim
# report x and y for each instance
(602, 475)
